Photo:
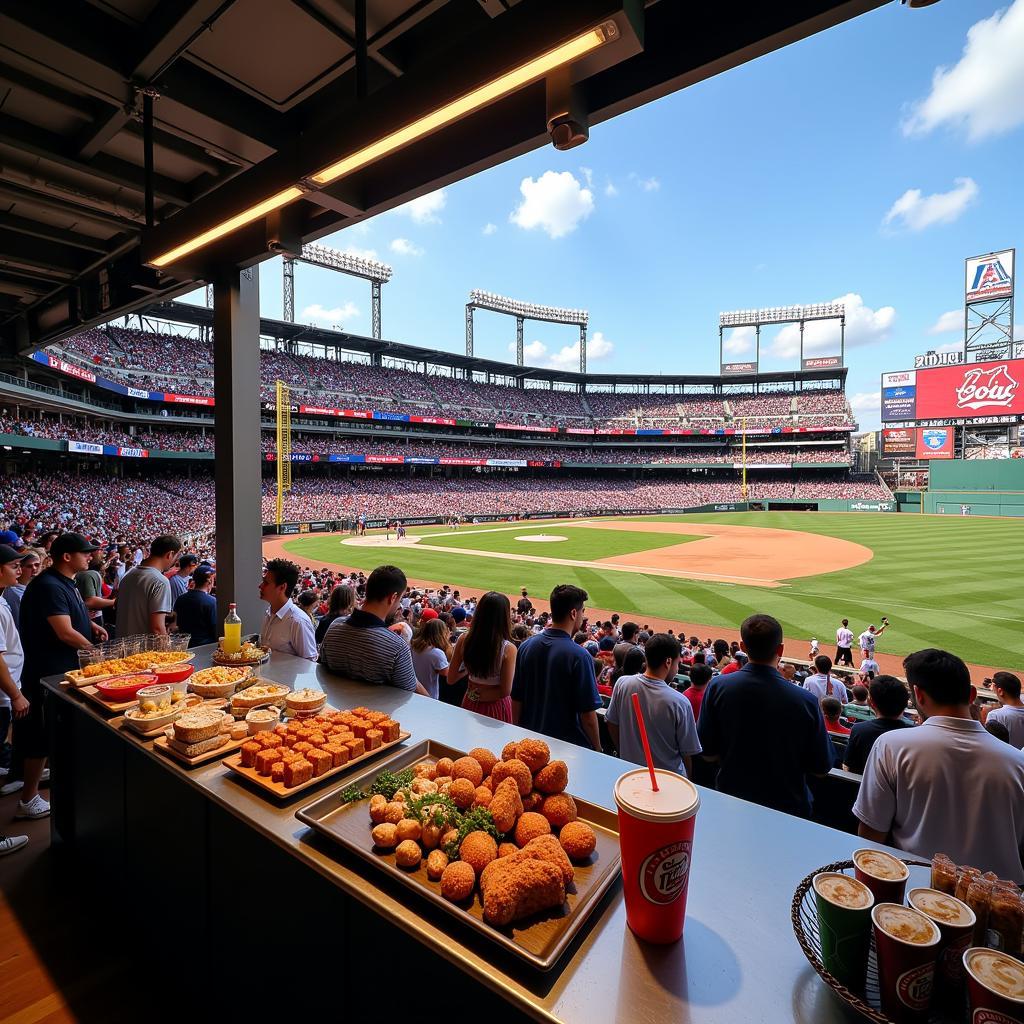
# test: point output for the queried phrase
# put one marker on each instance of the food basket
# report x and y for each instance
(220, 658)
(213, 689)
(134, 720)
(805, 927)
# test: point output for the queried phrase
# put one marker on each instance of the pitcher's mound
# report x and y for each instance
(541, 538)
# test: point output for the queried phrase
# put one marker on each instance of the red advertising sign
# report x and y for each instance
(971, 389)
(390, 459)
(899, 441)
(188, 399)
(438, 420)
(71, 369)
(935, 442)
(821, 362)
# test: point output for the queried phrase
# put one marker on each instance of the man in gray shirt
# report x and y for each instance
(144, 597)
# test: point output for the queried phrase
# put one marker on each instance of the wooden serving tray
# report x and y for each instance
(229, 747)
(539, 940)
(112, 707)
(75, 677)
(279, 789)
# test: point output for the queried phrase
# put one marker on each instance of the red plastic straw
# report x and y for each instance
(643, 739)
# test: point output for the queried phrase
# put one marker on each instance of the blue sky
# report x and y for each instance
(865, 162)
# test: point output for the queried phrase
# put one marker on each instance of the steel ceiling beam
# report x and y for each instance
(35, 229)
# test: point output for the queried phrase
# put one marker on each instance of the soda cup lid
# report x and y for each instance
(676, 799)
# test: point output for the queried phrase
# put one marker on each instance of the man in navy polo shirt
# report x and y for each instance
(554, 690)
(54, 626)
(766, 733)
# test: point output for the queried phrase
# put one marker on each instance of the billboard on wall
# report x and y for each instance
(739, 368)
(965, 391)
(935, 442)
(899, 441)
(899, 395)
(989, 277)
(821, 362)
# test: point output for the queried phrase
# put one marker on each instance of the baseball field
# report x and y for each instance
(955, 582)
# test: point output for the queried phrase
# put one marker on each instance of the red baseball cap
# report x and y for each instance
(428, 613)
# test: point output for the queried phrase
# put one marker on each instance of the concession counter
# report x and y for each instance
(264, 914)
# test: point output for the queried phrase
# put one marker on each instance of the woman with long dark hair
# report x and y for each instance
(486, 655)
(431, 649)
(340, 606)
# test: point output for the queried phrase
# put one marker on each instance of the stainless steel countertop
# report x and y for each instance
(738, 960)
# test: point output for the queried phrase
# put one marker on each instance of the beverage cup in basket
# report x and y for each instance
(844, 926)
(885, 875)
(906, 944)
(956, 922)
(656, 843)
(995, 986)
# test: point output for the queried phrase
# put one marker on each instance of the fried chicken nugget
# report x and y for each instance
(457, 881)
(518, 889)
(437, 861)
(482, 796)
(506, 805)
(394, 812)
(378, 803)
(408, 854)
(529, 826)
(508, 752)
(552, 778)
(578, 840)
(462, 792)
(478, 849)
(514, 769)
(425, 771)
(533, 753)
(468, 768)
(486, 759)
(559, 809)
(507, 849)
(443, 767)
(408, 828)
(548, 848)
(385, 835)
(533, 801)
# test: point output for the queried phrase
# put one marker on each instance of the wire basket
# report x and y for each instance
(805, 927)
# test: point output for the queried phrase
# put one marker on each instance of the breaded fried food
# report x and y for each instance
(462, 793)
(457, 881)
(378, 808)
(508, 752)
(468, 768)
(430, 836)
(394, 812)
(425, 770)
(409, 828)
(506, 805)
(533, 801)
(444, 766)
(518, 889)
(485, 758)
(423, 786)
(578, 840)
(529, 826)
(408, 854)
(385, 835)
(488, 782)
(533, 753)
(437, 861)
(552, 778)
(507, 849)
(547, 848)
(478, 849)
(482, 796)
(513, 769)
(559, 809)
(449, 836)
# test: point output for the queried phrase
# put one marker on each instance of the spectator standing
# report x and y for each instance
(844, 644)
(555, 691)
(12, 703)
(181, 579)
(668, 715)
(31, 565)
(486, 657)
(767, 765)
(340, 606)
(362, 647)
(700, 676)
(823, 683)
(144, 596)
(946, 784)
(196, 610)
(286, 627)
(888, 698)
(431, 650)
(1011, 710)
(90, 586)
(626, 644)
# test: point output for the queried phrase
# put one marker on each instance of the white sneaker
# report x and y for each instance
(45, 777)
(4, 772)
(10, 787)
(8, 844)
(37, 807)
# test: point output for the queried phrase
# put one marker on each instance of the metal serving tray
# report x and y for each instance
(539, 940)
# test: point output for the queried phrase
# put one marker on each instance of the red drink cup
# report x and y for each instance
(956, 923)
(656, 841)
(906, 943)
(995, 986)
(885, 875)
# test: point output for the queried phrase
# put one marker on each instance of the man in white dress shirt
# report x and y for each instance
(286, 628)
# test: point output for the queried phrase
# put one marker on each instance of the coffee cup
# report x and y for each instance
(906, 944)
(956, 922)
(656, 844)
(995, 986)
(844, 926)
(885, 875)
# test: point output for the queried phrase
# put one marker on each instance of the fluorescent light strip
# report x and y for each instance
(471, 101)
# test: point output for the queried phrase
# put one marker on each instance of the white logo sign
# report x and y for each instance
(985, 389)
(938, 359)
(899, 378)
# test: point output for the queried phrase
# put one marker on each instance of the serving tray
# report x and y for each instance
(539, 940)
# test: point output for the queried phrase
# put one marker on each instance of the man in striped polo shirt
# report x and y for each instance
(362, 647)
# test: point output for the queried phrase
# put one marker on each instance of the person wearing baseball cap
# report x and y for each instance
(12, 539)
(427, 614)
(12, 657)
(55, 626)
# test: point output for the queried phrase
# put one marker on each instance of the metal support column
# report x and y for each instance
(519, 340)
(469, 331)
(842, 341)
(209, 295)
(583, 348)
(375, 308)
(288, 279)
(236, 431)
(801, 344)
(147, 155)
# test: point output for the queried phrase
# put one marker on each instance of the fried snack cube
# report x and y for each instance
(344, 735)
(269, 739)
(248, 753)
(390, 728)
(359, 727)
(288, 755)
(321, 760)
(318, 739)
(265, 759)
(339, 754)
(294, 726)
(281, 729)
(360, 711)
(357, 746)
(374, 738)
(303, 747)
(375, 716)
(297, 772)
(277, 771)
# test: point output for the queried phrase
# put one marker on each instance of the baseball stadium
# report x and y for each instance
(399, 660)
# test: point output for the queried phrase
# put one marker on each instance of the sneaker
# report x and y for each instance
(4, 772)
(45, 777)
(10, 787)
(8, 844)
(37, 807)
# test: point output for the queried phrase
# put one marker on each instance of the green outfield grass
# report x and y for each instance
(951, 582)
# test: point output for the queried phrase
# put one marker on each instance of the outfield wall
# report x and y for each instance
(976, 487)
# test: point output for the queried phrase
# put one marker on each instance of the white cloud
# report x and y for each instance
(650, 184)
(864, 326)
(981, 93)
(916, 211)
(739, 341)
(866, 401)
(317, 314)
(490, 228)
(403, 247)
(610, 190)
(588, 176)
(535, 353)
(424, 210)
(948, 322)
(556, 202)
